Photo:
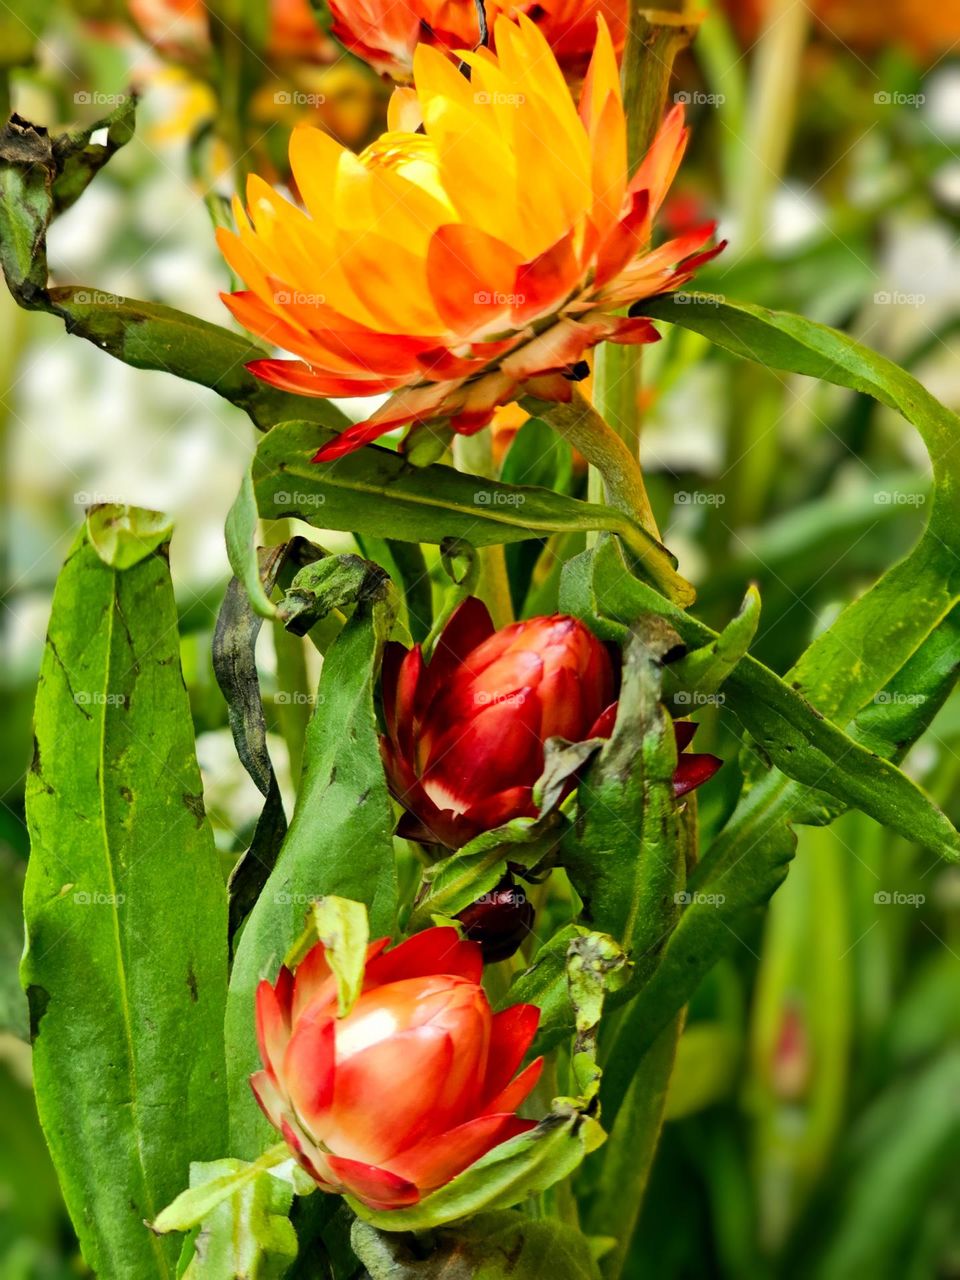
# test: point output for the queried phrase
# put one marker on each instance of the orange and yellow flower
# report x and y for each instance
(465, 266)
(386, 33)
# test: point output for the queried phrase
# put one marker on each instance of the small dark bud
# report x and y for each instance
(499, 920)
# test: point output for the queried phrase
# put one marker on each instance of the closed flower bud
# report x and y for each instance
(499, 921)
(412, 1086)
(466, 732)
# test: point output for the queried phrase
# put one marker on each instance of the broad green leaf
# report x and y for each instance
(874, 636)
(339, 842)
(248, 1235)
(125, 908)
(624, 853)
(505, 1176)
(376, 491)
(491, 1246)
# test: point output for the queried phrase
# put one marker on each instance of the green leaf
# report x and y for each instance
(241, 539)
(235, 668)
(625, 852)
(491, 1246)
(454, 882)
(331, 582)
(212, 1184)
(703, 671)
(341, 925)
(125, 908)
(791, 733)
(339, 842)
(375, 491)
(149, 335)
(874, 636)
(248, 1234)
(123, 536)
(512, 1171)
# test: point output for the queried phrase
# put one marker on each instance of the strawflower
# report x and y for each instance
(412, 1086)
(463, 267)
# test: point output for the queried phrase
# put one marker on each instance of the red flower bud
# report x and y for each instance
(411, 1087)
(499, 921)
(465, 732)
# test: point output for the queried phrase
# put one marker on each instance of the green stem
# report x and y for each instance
(605, 449)
(630, 1149)
(473, 455)
(655, 37)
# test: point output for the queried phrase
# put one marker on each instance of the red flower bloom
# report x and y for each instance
(465, 732)
(411, 1087)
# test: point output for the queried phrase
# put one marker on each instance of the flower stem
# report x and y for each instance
(654, 39)
(606, 450)
(473, 454)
